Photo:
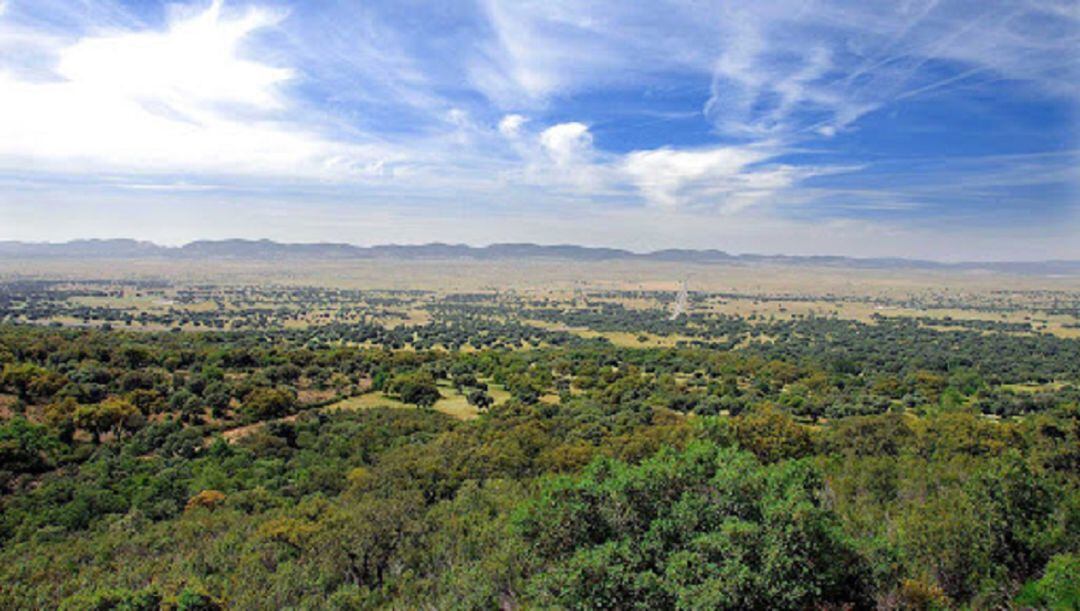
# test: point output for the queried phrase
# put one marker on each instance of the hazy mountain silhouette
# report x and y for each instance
(269, 250)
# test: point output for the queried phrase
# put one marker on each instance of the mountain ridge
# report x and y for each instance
(243, 249)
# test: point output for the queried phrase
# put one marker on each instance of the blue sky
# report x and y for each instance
(940, 129)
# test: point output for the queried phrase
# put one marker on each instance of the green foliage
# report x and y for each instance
(266, 403)
(1058, 588)
(480, 399)
(417, 388)
(836, 464)
(705, 528)
(113, 600)
(25, 447)
(196, 600)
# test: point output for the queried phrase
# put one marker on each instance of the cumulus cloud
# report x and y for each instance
(510, 125)
(559, 158)
(567, 143)
(724, 179)
(721, 178)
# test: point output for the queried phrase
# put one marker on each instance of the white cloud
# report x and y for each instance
(191, 67)
(532, 45)
(542, 49)
(559, 159)
(720, 178)
(179, 100)
(510, 125)
(563, 158)
(567, 143)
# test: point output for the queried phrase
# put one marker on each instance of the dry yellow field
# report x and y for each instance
(452, 404)
(762, 291)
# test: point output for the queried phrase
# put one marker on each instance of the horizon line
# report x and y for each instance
(473, 246)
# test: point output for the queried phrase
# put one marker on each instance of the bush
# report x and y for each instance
(113, 600)
(264, 403)
(703, 528)
(1059, 587)
(417, 388)
(207, 499)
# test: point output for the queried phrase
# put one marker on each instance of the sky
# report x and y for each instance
(932, 129)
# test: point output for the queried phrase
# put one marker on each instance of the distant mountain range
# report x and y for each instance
(254, 250)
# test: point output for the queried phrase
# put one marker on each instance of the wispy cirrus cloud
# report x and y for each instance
(785, 66)
(818, 67)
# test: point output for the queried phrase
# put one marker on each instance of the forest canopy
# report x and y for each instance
(475, 460)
